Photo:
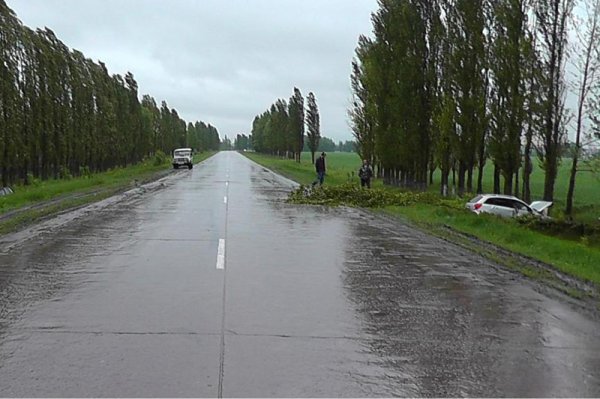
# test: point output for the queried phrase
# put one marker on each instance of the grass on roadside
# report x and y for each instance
(111, 181)
(340, 166)
(32, 215)
(573, 258)
(579, 259)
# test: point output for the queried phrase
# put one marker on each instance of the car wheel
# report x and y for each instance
(190, 166)
(175, 166)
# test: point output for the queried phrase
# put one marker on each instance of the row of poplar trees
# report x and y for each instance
(281, 129)
(61, 114)
(451, 84)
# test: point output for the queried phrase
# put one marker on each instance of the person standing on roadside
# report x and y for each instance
(320, 167)
(365, 173)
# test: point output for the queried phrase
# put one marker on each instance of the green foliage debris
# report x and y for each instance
(353, 195)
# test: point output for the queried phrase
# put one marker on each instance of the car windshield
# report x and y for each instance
(182, 153)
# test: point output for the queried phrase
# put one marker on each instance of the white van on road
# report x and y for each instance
(183, 157)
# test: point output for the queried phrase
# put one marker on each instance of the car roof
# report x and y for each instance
(486, 196)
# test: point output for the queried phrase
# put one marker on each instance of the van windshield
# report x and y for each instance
(182, 153)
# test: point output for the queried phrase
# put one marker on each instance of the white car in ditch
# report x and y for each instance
(183, 157)
(507, 206)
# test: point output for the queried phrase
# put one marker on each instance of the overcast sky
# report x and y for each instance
(219, 61)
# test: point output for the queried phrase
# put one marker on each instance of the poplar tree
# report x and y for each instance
(360, 114)
(533, 106)
(466, 25)
(9, 28)
(64, 115)
(313, 125)
(296, 123)
(552, 24)
(509, 59)
(588, 66)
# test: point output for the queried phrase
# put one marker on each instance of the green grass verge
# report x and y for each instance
(340, 166)
(69, 193)
(31, 216)
(570, 257)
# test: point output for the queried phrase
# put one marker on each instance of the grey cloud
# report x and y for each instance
(222, 62)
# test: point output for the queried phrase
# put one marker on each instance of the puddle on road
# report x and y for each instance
(458, 325)
(444, 322)
(428, 319)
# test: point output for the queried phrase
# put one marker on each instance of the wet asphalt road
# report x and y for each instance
(211, 286)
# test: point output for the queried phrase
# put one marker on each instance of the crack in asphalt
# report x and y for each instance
(175, 239)
(332, 337)
(53, 330)
(50, 330)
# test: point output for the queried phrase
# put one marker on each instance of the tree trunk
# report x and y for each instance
(444, 182)
(462, 170)
(470, 179)
(480, 177)
(4, 173)
(496, 179)
(551, 171)
(25, 173)
(508, 179)
(453, 176)
(526, 186)
(571, 191)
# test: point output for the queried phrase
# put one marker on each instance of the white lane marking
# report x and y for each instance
(226, 184)
(221, 254)
(225, 200)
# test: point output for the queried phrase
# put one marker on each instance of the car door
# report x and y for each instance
(521, 208)
(496, 206)
(505, 208)
(489, 206)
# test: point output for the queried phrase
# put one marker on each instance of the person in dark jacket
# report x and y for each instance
(365, 173)
(320, 167)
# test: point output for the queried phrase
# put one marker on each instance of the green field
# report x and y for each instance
(341, 165)
(587, 189)
(577, 257)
